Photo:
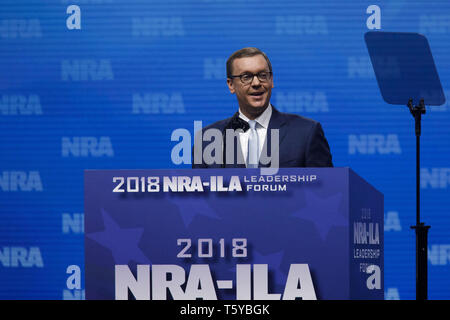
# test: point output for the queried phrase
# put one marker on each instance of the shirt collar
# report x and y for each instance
(262, 120)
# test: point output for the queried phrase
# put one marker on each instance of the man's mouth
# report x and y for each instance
(257, 94)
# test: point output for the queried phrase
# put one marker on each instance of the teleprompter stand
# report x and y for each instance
(405, 71)
(420, 227)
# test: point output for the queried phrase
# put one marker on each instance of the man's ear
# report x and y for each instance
(230, 85)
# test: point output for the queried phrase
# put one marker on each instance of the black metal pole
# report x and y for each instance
(420, 228)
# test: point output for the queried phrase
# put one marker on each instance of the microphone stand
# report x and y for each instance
(420, 227)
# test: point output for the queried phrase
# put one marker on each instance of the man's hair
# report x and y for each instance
(244, 53)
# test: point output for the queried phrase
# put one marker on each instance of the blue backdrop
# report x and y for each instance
(102, 84)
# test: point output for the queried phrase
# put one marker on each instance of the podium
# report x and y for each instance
(232, 234)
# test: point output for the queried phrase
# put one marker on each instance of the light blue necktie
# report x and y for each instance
(253, 147)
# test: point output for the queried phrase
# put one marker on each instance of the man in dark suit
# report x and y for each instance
(301, 141)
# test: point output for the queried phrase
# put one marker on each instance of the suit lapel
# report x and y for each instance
(277, 121)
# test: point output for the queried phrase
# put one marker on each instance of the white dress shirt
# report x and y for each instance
(262, 123)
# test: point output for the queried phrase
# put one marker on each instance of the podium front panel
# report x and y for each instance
(232, 234)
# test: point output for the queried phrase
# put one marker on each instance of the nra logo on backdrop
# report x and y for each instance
(16, 257)
(86, 70)
(360, 68)
(383, 144)
(158, 103)
(392, 221)
(434, 178)
(157, 27)
(20, 181)
(86, 147)
(392, 294)
(439, 254)
(214, 69)
(20, 28)
(20, 104)
(301, 25)
(437, 24)
(73, 223)
(302, 101)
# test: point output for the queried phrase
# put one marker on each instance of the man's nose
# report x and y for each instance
(255, 81)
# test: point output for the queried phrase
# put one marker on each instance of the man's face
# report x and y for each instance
(253, 98)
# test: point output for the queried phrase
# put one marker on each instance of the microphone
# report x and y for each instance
(234, 123)
(237, 123)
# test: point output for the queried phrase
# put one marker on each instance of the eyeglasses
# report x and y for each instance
(247, 78)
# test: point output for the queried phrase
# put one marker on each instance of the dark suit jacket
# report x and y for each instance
(302, 142)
